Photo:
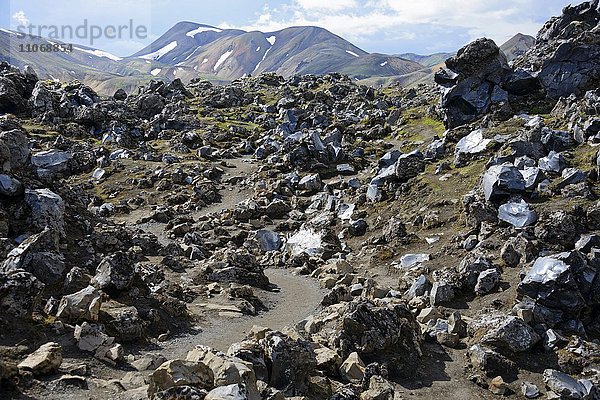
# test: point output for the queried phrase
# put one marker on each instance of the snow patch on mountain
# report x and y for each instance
(263, 59)
(202, 29)
(161, 52)
(99, 53)
(352, 53)
(272, 39)
(222, 59)
(155, 71)
(383, 64)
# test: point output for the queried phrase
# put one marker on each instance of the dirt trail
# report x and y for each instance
(298, 297)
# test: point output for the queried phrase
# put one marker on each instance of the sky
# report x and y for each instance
(383, 26)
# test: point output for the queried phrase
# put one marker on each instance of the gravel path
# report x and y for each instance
(298, 297)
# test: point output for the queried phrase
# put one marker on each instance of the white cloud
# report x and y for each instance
(331, 5)
(405, 19)
(21, 18)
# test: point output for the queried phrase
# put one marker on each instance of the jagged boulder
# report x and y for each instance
(14, 149)
(471, 82)
(370, 328)
(566, 56)
(47, 210)
(38, 254)
(290, 362)
(180, 373)
(84, 304)
(114, 273)
(44, 360)
(15, 88)
(503, 333)
(562, 281)
(227, 370)
(20, 294)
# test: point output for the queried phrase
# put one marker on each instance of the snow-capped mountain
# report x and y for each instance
(189, 50)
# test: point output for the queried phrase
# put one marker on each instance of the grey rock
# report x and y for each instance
(441, 293)
(487, 281)
(568, 387)
(229, 392)
(553, 162)
(47, 210)
(500, 181)
(502, 332)
(84, 304)
(409, 165)
(291, 361)
(310, 183)
(518, 214)
(490, 362)
(45, 360)
(91, 337)
(418, 288)
(115, 272)
(20, 294)
(268, 240)
(530, 390)
(120, 94)
(50, 163)
(560, 281)
(14, 150)
(473, 143)
(410, 260)
(394, 230)
(470, 82)
(10, 187)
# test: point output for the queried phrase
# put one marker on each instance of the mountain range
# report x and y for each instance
(189, 50)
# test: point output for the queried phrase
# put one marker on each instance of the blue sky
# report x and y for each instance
(385, 26)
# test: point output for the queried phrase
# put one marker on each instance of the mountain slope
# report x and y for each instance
(189, 50)
(91, 66)
(230, 54)
(517, 46)
(430, 60)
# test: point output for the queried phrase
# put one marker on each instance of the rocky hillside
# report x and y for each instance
(308, 237)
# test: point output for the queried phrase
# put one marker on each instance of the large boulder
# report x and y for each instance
(371, 328)
(227, 370)
(11, 101)
(15, 88)
(290, 361)
(566, 56)
(38, 254)
(180, 373)
(14, 149)
(503, 333)
(50, 163)
(47, 210)
(471, 82)
(45, 360)
(237, 266)
(83, 305)
(20, 294)
(114, 273)
(562, 281)
(502, 181)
